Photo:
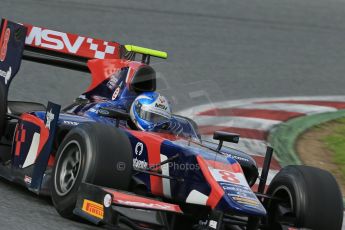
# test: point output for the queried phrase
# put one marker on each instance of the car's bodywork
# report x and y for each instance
(185, 173)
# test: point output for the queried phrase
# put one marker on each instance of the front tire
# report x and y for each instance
(93, 153)
(308, 197)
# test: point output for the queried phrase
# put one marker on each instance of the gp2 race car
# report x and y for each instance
(97, 166)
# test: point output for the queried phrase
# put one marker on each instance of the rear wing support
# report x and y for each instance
(55, 59)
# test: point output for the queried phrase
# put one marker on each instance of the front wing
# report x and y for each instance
(114, 208)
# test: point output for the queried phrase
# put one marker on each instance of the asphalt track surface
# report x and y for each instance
(219, 50)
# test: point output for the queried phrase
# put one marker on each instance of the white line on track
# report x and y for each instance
(299, 108)
(237, 122)
(243, 102)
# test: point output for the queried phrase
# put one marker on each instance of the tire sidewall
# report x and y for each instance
(67, 202)
(102, 148)
(294, 189)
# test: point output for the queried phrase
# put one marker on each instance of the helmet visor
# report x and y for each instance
(152, 117)
(149, 116)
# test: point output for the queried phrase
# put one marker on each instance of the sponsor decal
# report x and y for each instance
(203, 222)
(98, 98)
(53, 40)
(237, 190)
(144, 205)
(139, 163)
(69, 43)
(103, 112)
(71, 122)
(238, 157)
(27, 179)
(246, 201)
(113, 79)
(50, 117)
(213, 224)
(161, 106)
(107, 200)
(116, 93)
(240, 193)
(139, 148)
(93, 208)
(93, 110)
(3, 49)
(6, 75)
(111, 84)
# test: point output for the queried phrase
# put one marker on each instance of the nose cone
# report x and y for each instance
(240, 199)
(229, 188)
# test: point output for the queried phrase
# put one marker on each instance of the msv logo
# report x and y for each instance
(70, 43)
(53, 40)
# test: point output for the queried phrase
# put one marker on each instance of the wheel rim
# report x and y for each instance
(282, 208)
(67, 168)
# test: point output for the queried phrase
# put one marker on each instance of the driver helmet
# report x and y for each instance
(150, 109)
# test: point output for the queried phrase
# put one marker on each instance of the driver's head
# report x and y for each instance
(150, 109)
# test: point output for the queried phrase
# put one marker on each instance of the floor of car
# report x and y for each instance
(5, 153)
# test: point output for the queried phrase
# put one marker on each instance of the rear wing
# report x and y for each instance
(23, 41)
(66, 50)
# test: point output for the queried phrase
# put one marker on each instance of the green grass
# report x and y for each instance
(336, 143)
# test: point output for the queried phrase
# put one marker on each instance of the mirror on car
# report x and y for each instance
(225, 136)
(114, 113)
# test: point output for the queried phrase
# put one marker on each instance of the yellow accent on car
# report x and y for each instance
(147, 51)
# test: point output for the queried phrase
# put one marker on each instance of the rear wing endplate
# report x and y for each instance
(12, 41)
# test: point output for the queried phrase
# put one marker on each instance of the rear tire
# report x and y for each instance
(93, 153)
(309, 198)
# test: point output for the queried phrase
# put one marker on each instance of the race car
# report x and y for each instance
(99, 164)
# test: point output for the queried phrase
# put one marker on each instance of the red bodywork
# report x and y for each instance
(103, 69)
(131, 200)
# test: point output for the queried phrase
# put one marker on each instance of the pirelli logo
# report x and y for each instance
(93, 208)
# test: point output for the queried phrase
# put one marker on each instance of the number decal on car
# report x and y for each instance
(229, 177)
